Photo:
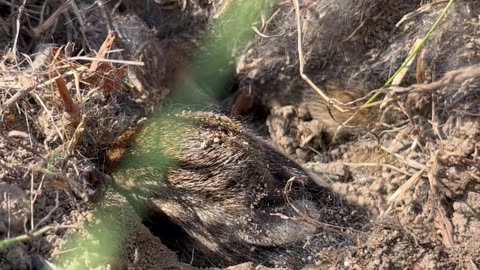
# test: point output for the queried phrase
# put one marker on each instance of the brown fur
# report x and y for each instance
(206, 174)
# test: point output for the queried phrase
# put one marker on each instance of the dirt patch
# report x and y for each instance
(121, 242)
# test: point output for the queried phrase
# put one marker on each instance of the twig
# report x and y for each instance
(32, 202)
(15, 42)
(16, 97)
(57, 175)
(457, 76)
(388, 166)
(37, 31)
(409, 162)
(405, 186)
(401, 191)
(37, 192)
(104, 50)
(255, 29)
(329, 100)
(9, 213)
(126, 62)
(45, 218)
(59, 133)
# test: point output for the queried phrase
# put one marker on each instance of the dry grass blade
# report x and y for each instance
(26, 87)
(126, 62)
(104, 49)
(452, 77)
(37, 31)
(329, 100)
(389, 166)
(15, 42)
(406, 161)
(442, 220)
(406, 186)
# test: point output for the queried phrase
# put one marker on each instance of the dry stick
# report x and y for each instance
(37, 192)
(16, 97)
(7, 195)
(103, 51)
(45, 218)
(50, 115)
(329, 100)
(405, 186)
(255, 29)
(305, 216)
(15, 42)
(388, 166)
(37, 31)
(32, 202)
(133, 63)
(409, 162)
(29, 130)
(457, 76)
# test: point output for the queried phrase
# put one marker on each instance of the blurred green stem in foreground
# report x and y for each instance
(100, 241)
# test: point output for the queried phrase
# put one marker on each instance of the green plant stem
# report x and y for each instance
(414, 53)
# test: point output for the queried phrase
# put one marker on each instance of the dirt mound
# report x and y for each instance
(417, 159)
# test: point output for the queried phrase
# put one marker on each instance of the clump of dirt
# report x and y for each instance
(294, 130)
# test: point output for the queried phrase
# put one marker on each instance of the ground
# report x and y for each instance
(411, 161)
